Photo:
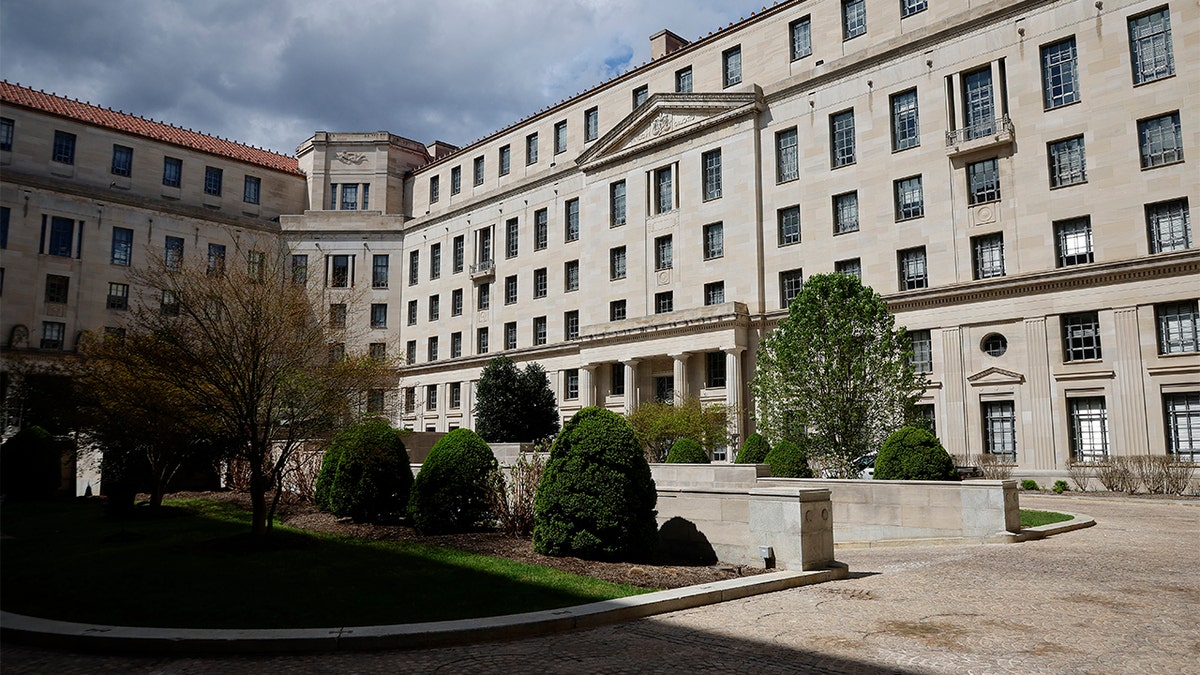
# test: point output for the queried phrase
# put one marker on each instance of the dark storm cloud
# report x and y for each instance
(272, 73)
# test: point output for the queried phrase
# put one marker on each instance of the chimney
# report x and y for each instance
(664, 42)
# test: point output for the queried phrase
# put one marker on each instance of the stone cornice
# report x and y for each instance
(522, 355)
(731, 314)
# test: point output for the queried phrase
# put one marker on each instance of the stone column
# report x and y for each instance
(587, 385)
(733, 392)
(631, 392)
(999, 90)
(1129, 431)
(1041, 400)
(680, 392)
(954, 380)
(469, 405)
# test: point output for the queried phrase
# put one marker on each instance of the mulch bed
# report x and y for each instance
(304, 516)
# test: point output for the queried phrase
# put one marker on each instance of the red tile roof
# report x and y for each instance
(17, 95)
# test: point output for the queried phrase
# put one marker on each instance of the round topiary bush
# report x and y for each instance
(914, 454)
(596, 498)
(754, 450)
(789, 460)
(329, 464)
(372, 475)
(30, 464)
(1029, 484)
(452, 488)
(687, 451)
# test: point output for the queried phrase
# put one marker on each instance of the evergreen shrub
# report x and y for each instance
(754, 450)
(373, 476)
(1060, 486)
(687, 451)
(1029, 484)
(914, 454)
(329, 464)
(789, 460)
(452, 492)
(596, 498)
(30, 464)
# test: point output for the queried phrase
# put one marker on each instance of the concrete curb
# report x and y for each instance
(1077, 522)
(90, 637)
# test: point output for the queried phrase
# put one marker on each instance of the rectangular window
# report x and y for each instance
(1000, 430)
(62, 237)
(431, 391)
(683, 80)
(349, 200)
(410, 352)
(571, 225)
(540, 282)
(1169, 225)
(122, 160)
(616, 204)
(455, 180)
(664, 191)
(412, 312)
(212, 180)
(616, 263)
(64, 148)
(172, 171)
(1068, 163)
(531, 148)
(714, 241)
(435, 261)
(789, 225)
(539, 330)
(640, 95)
(854, 18)
(379, 271)
(1183, 425)
(560, 137)
(714, 293)
(483, 297)
(456, 344)
(510, 290)
(714, 369)
(983, 181)
(339, 271)
(251, 190)
(512, 242)
(910, 7)
(910, 198)
(118, 296)
(617, 310)
(377, 350)
(913, 271)
(410, 397)
(924, 414)
(791, 282)
(435, 189)
(906, 127)
(6, 133)
(255, 265)
(571, 384)
(483, 245)
(505, 160)
(617, 379)
(510, 335)
(300, 269)
(541, 229)
(1178, 331)
(851, 268)
(787, 162)
(1089, 429)
(1081, 336)
(571, 324)
(591, 124)
(711, 161)
(922, 346)
(456, 302)
(478, 171)
(458, 255)
(375, 401)
(337, 315)
(571, 275)
(663, 253)
(800, 33)
(122, 247)
(333, 193)
(1073, 241)
(664, 302)
(731, 66)
(455, 395)
(57, 288)
(1152, 55)
(435, 307)
(414, 267)
(988, 253)
(841, 134)
(979, 111)
(1060, 81)
(52, 334)
(366, 196)
(216, 259)
(845, 213)
(172, 253)
(1160, 140)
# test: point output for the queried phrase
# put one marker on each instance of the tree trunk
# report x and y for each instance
(258, 500)
(156, 495)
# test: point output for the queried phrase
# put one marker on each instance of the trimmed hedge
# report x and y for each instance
(371, 475)
(914, 454)
(687, 451)
(789, 460)
(451, 493)
(596, 499)
(30, 464)
(754, 450)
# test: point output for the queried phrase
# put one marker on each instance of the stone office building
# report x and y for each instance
(1010, 176)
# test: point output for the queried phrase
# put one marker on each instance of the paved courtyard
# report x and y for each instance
(1120, 597)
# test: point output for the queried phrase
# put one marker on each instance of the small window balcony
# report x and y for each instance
(981, 136)
(484, 270)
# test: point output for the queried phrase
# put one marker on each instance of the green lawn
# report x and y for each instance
(1031, 518)
(193, 568)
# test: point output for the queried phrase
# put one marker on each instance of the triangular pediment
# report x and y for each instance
(664, 119)
(994, 375)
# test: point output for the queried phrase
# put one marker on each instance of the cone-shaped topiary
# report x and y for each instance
(451, 490)
(754, 450)
(372, 477)
(914, 454)
(789, 460)
(596, 498)
(687, 451)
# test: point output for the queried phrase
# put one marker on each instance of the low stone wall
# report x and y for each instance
(736, 525)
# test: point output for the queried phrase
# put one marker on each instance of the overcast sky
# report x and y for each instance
(270, 73)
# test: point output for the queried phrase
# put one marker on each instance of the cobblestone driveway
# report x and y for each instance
(1120, 597)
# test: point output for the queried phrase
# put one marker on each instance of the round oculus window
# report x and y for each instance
(995, 344)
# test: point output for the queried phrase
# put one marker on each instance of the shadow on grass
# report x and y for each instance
(196, 566)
